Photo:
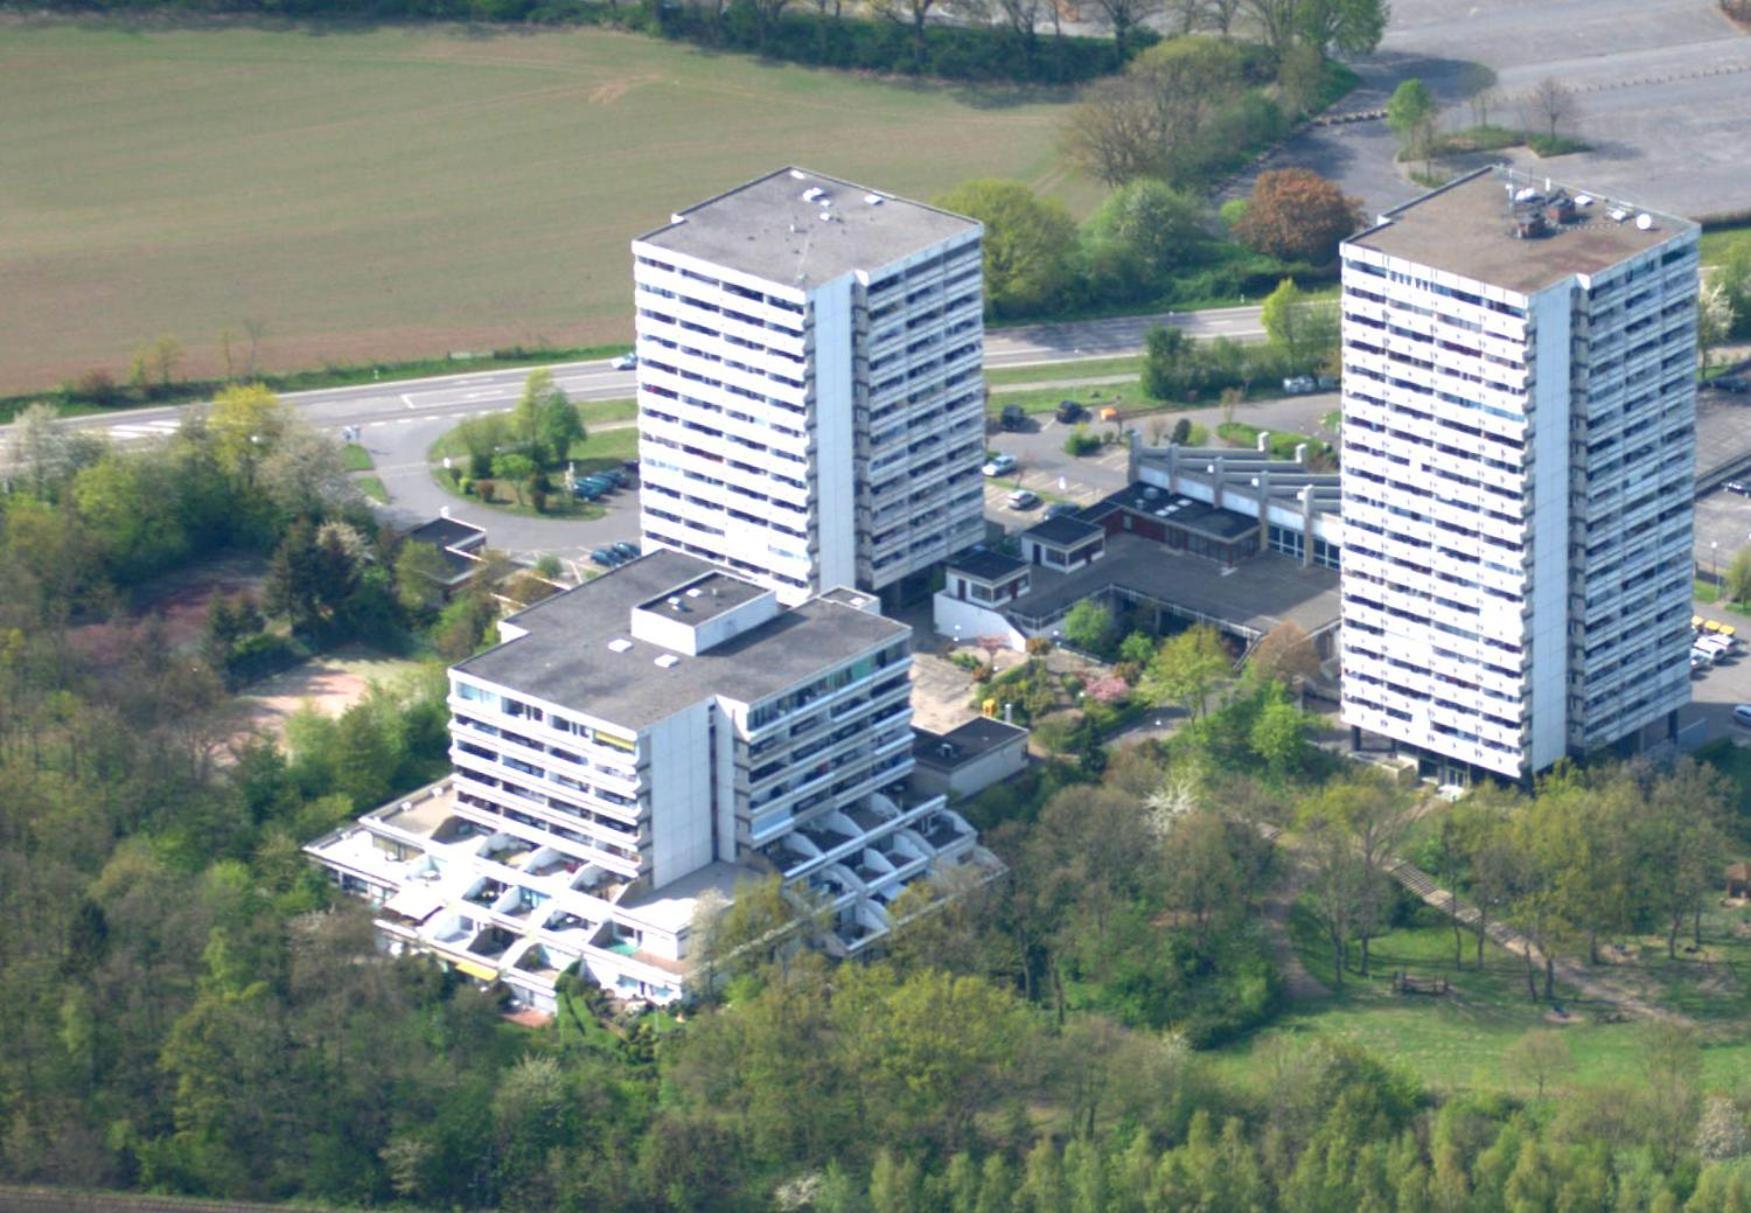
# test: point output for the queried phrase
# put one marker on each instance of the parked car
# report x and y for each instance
(1023, 499)
(620, 478)
(606, 557)
(1013, 417)
(625, 362)
(1300, 385)
(1734, 486)
(1698, 653)
(1326, 383)
(1000, 465)
(1742, 715)
(1734, 383)
(585, 491)
(1060, 508)
(1069, 411)
(600, 483)
(626, 551)
(1720, 646)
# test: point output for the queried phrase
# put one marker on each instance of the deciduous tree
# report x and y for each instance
(1029, 243)
(1550, 104)
(1542, 1056)
(1410, 112)
(1297, 215)
(1302, 331)
(1187, 669)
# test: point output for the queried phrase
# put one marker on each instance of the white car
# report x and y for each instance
(1000, 465)
(1742, 715)
(625, 362)
(1023, 499)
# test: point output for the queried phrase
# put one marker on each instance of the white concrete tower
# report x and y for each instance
(1518, 472)
(810, 384)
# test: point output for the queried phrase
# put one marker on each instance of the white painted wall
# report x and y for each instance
(1552, 313)
(680, 783)
(834, 471)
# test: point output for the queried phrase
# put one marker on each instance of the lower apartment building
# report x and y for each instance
(632, 751)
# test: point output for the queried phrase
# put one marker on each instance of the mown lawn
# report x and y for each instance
(390, 192)
(1457, 1042)
(1716, 244)
(606, 448)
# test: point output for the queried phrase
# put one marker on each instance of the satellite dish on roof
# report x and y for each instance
(1644, 221)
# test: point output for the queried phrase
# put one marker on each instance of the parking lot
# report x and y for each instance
(1043, 466)
(1663, 93)
(1716, 690)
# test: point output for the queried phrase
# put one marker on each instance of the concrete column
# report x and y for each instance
(1218, 474)
(1173, 467)
(1306, 526)
(1132, 442)
(1264, 442)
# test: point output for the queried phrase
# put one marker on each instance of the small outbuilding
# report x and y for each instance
(968, 759)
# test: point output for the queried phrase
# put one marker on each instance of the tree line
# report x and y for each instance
(196, 1010)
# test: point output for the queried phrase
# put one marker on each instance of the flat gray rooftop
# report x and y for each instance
(768, 229)
(1261, 592)
(1466, 229)
(704, 598)
(565, 658)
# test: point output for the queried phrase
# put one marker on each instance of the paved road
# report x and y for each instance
(399, 420)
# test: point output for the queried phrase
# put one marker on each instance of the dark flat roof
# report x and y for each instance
(990, 567)
(445, 532)
(565, 658)
(1252, 598)
(767, 229)
(1465, 229)
(978, 736)
(1176, 509)
(1064, 531)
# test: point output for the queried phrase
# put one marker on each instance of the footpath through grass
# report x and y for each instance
(1457, 1041)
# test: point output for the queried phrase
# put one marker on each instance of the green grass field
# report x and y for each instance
(402, 192)
(1457, 1042)
(1716, 244)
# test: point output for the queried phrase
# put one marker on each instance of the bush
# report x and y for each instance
(1081, 442)
(256, 657)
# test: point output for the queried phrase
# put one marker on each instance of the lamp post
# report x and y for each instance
(1713, 559)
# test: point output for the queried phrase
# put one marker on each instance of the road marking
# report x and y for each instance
(408, 400)
(433, 417)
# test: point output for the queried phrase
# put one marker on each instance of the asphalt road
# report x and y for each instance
(399, 420)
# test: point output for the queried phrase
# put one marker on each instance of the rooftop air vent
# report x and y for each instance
(812, 193)
(674, 602)
(619, 644)
(799, 174)
(1619, 215)
(694, 592)
(668, 661)
(874, 199)
(1644, 221)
